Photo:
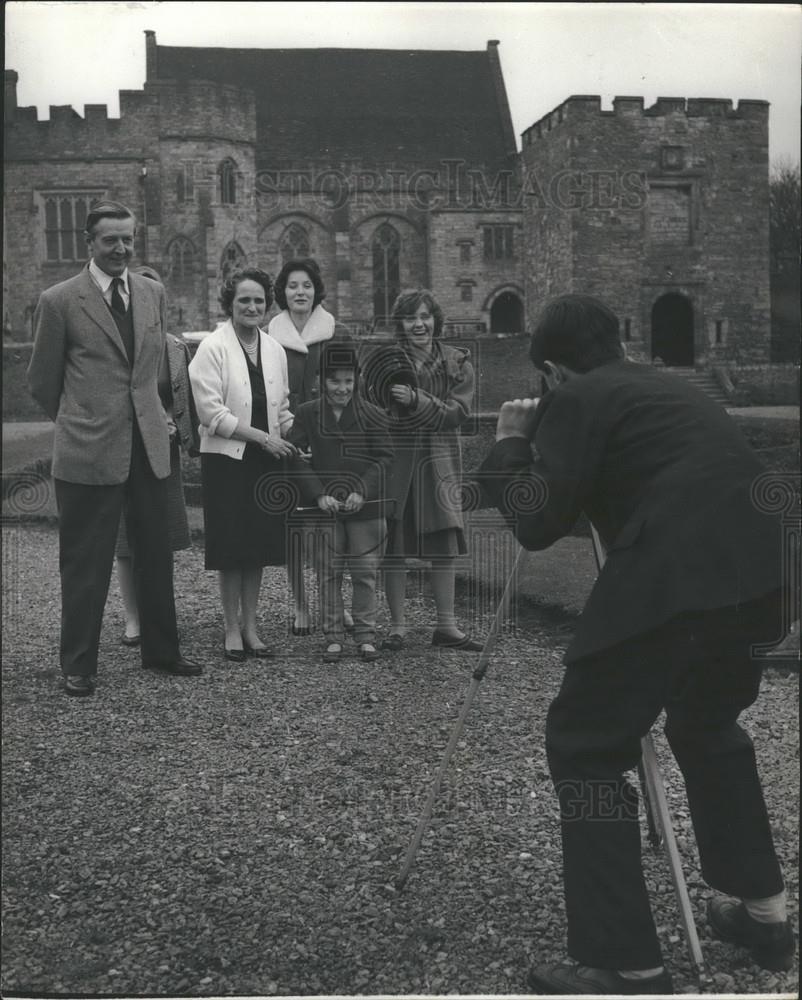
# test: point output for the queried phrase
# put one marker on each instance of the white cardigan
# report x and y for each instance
(222, 389)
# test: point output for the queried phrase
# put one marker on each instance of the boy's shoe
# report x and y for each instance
(394, 642)
(367, 651)
(772, 945)
(333, 652)
(567, 979)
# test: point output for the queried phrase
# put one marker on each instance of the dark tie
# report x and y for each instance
(117, 301)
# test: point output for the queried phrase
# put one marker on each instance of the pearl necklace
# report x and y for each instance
(252, 350)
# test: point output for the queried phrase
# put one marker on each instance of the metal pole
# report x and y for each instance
(476, 679)
(657, 795)
(658, 810)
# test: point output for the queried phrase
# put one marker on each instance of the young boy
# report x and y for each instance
(351, 453)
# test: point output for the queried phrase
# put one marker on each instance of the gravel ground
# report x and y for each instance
(240, 833)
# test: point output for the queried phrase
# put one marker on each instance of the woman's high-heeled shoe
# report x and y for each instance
(259, 652)
(464, 642)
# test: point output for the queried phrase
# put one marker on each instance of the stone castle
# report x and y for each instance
(396, 168)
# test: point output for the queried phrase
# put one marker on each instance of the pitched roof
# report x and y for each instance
(373, 105)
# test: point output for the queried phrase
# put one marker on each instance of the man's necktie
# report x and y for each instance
(117, 301)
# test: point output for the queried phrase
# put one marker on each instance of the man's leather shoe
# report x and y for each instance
(79, 685)
(179, 667)
(772, 945)
(566, 979)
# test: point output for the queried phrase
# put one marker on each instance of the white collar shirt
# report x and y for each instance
(103, 282)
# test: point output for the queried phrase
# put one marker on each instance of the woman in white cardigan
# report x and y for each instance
(239, 381)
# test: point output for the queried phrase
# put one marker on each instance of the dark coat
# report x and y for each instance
(427, 441)
(303, 374)
(184, 413)
(352, 455)
(303, 370)
(666, 478)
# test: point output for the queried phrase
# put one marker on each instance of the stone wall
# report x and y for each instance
(27, 269)
(166, 129)
(761, 385)
(162, 157)
(457, 262)
(671, 199)
(18, 403)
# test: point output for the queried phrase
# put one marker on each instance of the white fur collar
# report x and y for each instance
(319, 327)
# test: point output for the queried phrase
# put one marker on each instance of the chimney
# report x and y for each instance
(10, 99)
(151, 56)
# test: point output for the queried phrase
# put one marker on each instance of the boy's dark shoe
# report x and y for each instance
(567, 979)
(333, 652)
(772, 945)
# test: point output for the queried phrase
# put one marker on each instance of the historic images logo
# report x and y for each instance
(453, 185)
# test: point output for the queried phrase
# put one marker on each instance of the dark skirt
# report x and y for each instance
(244, 510)
(177, 523)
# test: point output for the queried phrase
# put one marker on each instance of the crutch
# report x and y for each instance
(476, 680)
(659, 816)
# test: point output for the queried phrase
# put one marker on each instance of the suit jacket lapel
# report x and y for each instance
(136, 303)
(94, 305)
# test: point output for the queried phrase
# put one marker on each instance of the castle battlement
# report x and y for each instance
(218, 111)
(583, 106)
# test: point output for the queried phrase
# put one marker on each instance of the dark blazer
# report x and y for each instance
(664, 475)
(352, 455)
(80, 375)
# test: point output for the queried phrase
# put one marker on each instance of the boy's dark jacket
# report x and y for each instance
(352, 455)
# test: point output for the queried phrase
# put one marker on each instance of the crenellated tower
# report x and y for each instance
(181, 155)
(661, 211)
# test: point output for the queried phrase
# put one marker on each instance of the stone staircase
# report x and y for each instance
(703, 380)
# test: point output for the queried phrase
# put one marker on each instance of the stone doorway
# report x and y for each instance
(507, 314)
(672, 330)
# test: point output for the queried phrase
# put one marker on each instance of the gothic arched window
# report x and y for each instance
(232, 259)
(386, 271)
(294, 243)
(180, 259)
(228, 182)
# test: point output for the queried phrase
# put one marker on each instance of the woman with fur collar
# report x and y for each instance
(302, 327)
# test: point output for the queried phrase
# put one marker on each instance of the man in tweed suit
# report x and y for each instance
(98, 343)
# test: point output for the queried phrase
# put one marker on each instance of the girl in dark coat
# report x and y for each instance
(426, 474)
